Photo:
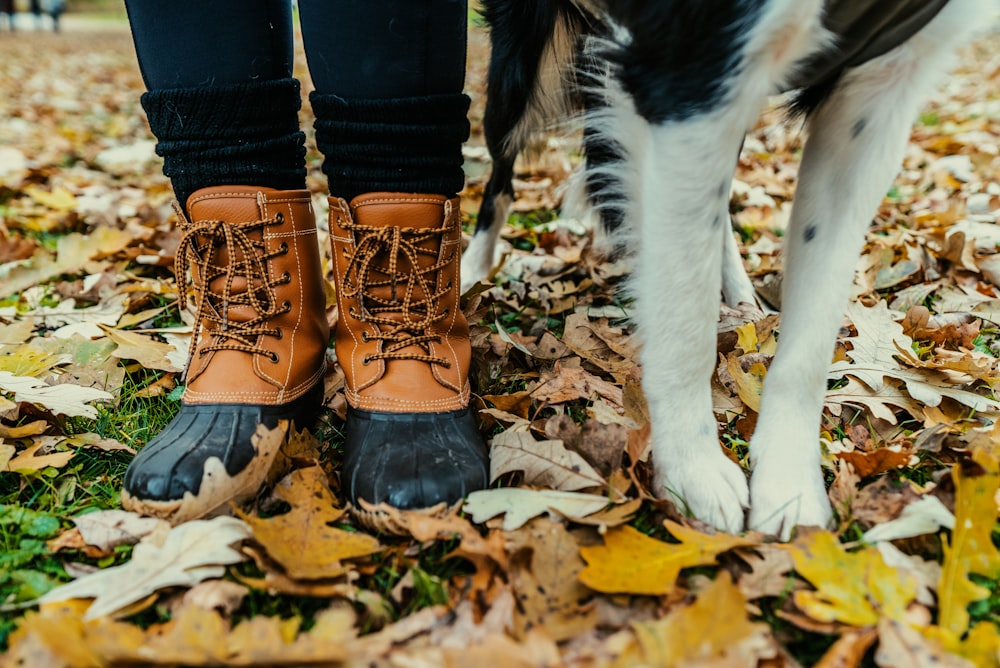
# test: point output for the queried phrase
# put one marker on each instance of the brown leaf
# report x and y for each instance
(867, 464)
(566, 383)
(545, 463)
(303, 540)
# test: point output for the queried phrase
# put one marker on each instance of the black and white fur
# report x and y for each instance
(688, 79)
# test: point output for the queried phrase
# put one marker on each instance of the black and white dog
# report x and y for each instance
(671, 90)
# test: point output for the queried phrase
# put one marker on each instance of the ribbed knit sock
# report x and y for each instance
(411, 144)
(239, 134)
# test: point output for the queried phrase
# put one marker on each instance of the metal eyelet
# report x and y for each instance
(287, 305)
(279, 334)
(364, 337)
(274, 357)
(286, 277)
(366, 360)
(279, 218)
(283, 248)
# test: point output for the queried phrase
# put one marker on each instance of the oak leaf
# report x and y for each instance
(878, 342)
(630, 562)
(303, 540)
(29, 459)
(144, 349)
(546, 463)
(64, 399)
(191, 552)
(519, 505)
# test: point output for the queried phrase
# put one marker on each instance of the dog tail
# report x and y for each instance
(530, 83)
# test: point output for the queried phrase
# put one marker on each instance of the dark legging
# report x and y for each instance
(372, 49)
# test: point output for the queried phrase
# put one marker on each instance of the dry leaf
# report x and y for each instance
(302, 540)
(712, 632)
(192, 552)
(855, 588)
(520, 505)
(107, 529)
(64, 399)
(545, 463)
(630, 562)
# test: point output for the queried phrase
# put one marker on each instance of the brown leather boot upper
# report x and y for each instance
(401, 338)
(261, 330)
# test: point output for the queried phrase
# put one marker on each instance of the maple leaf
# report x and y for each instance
(302, 540)
(971, 548)
(64, 399)
(878, 342)
(855, 588)
(545, 463)
(544, 564)
(190, 553)
(712, 631)
(630, 562)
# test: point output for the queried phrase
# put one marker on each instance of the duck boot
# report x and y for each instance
(257, 357)
(403, 343)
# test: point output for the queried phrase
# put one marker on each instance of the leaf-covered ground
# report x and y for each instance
(569, 560)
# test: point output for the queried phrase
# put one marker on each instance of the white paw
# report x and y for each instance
(478, 260)
(786, 494)
(712, 488)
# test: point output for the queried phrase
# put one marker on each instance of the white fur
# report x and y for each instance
(841, 182)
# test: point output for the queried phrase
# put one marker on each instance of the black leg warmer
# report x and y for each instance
(411, 144)
(236, 134)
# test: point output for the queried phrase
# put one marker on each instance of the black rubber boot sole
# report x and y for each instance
(205, 458)
(413, 460)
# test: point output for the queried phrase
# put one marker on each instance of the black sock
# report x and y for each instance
(238, 134)
(410, 144)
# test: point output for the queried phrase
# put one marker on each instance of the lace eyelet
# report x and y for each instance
(286, 305)
(279, 334)
(286, 277)
(448, 286)
(283, 248)
(274, 357)
(446, 310)
(366, 360)
(364, 337)
(279, 218)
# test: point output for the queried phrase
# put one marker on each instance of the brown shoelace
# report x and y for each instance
(412, 298)
(247, 259)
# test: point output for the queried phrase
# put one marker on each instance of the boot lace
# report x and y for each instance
(247, 259)
(384, 288)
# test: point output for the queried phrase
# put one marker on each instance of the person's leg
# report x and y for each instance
(391, 118)
(224, 109)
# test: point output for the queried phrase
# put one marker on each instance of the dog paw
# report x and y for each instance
(712, 488)
(784, 496)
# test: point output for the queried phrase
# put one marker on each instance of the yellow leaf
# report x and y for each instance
(144, 349)
(746, 338)
(302, 540)
(630, 562)
(981, 646)
(714, 629)
(749, 384)
(856, 588)
(970, 549)
(29, 460)
(59, 199)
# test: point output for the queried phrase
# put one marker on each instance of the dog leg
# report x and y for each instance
(699, 79)
(533, 46)
(856, 142)
(737, 290)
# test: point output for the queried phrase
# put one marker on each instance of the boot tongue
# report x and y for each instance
(399, 220)
(238, 211)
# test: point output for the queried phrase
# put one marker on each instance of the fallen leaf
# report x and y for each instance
(544, 463)
(970, 549)
(902, 646)
(107, 529)
(303, 540)
(192, 552)
(633, 563)
(713, 631)
(520, 505)
(142, 348)
(65, 399)
(29, 459)
(855, 588)
(926, 515)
